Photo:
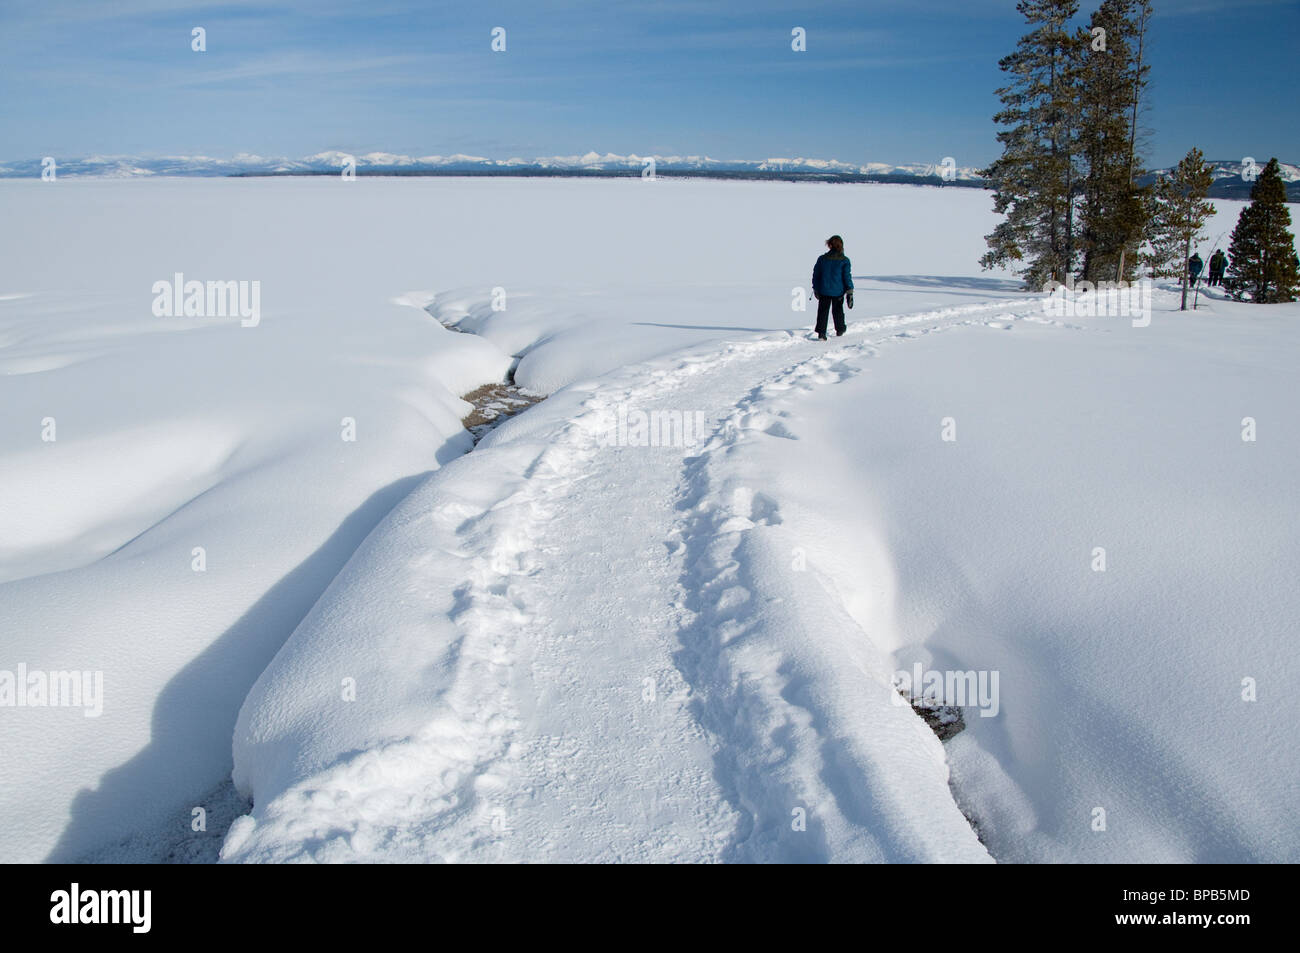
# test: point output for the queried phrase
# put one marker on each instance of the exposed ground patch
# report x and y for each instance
(944, 720)
(494, 403)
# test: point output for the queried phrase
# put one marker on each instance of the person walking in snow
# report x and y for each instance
(831, 282)
(1194, 266)
(1218, 265)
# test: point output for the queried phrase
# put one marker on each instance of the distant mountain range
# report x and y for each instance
(387, 163)
(1228, 181)
(1227, 174)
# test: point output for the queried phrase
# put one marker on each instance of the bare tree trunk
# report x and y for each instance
(1187, 254)
(1069, 214)
(1132, 136)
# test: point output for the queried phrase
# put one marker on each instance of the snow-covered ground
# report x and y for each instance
(567, 645)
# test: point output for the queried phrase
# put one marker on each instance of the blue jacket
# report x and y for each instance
(831, 277)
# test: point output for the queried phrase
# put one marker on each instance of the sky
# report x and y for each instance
(893, 81)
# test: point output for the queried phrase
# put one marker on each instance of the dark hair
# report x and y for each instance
(835, 244)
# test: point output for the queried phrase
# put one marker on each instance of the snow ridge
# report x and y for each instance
(516, 744)
(782, 706)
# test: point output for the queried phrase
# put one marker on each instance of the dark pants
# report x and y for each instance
(825, 305)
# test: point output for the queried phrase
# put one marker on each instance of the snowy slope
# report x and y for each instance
(1120, 690)
(559, 653)
(511, 699)
(178, 433)
(665, 653)
(174, 434)
(671, 653)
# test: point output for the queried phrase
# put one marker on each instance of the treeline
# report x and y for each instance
(1070, 178)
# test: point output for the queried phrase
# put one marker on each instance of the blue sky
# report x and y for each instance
(882, 80)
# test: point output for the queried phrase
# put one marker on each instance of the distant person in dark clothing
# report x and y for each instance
(1218, 265)
(831, 281)
(1194, 266)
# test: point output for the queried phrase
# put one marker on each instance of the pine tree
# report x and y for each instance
(1142, 217)
(1111, 81)
(1261, 259)
(1035, 179)
(1179, 211)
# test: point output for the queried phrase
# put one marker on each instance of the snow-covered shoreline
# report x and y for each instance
(540, 722)
(500, 626)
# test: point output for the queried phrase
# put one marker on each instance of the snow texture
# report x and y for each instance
(574, 644)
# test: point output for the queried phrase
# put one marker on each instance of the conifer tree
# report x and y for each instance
(1111, 81)
(1036, 178)
(1261, 258)
(1178, 213)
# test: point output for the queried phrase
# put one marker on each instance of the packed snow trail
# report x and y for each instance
(557, 655)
